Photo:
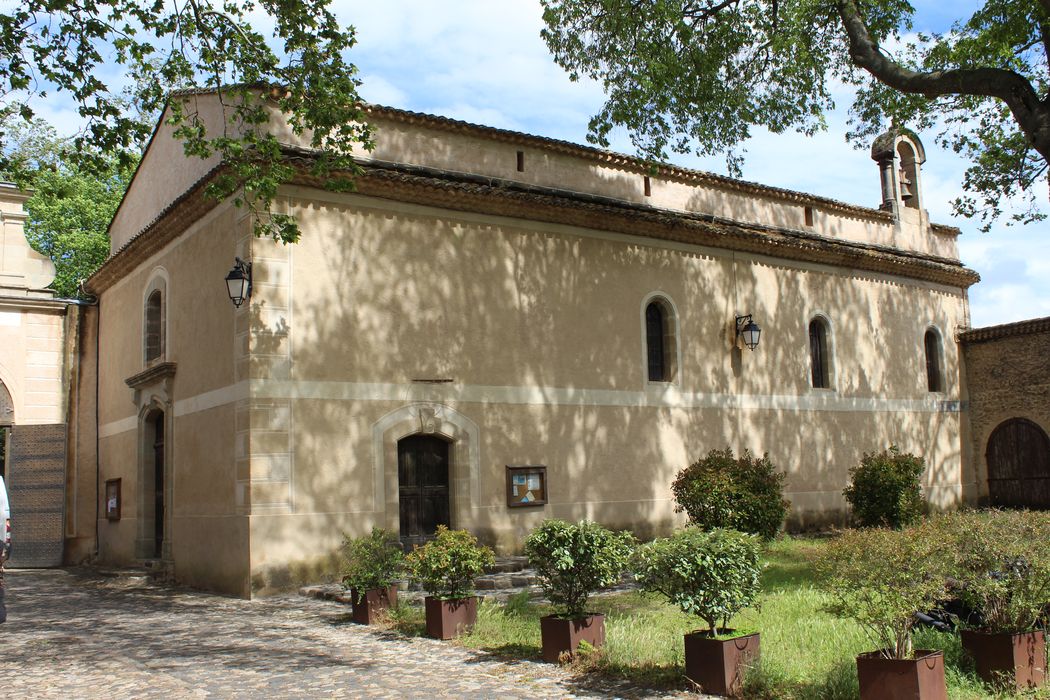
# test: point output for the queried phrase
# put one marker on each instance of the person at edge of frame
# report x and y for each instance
(5, 542)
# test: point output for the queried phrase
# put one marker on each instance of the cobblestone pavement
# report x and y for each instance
(74, 634)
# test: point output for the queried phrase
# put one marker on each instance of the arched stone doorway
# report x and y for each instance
(154, 492)
(441, 422)
(1018, 458)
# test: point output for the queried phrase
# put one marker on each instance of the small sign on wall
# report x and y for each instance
(526, 485)
(113, 499)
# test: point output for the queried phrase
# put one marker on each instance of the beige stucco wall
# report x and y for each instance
(539, 330)
(82, 502)
(156, 183)
(427, 143)
(31, 322)
(207, 531)
(419, 144)
(284, 415)
(31, 361)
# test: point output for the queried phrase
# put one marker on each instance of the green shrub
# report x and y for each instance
(375, 561)
(881, 578)
(446, 566)
(884, 490)
(573, 560)
(709, 574)
(999, 563)
(722, 491)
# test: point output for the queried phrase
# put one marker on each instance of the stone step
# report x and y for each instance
(158, 569)
(519, 579)
(507, 565)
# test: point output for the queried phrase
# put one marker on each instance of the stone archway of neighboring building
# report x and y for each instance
(1018, 458)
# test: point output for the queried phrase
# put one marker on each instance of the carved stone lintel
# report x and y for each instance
(151, 375)
(162, 373)
(427, 419)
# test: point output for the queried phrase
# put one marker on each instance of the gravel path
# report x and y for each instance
(75, 634)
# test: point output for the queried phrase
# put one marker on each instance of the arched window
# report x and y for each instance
(820, 360)
(654, 342)
(154, 326)
(661, 346)
(934, 370)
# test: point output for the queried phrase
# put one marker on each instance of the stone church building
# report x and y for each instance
(492, 329)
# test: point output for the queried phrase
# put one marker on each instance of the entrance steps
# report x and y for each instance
(505, 574)
(158, 570)
(509, 575)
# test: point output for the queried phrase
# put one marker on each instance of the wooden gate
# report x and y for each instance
(36, 484)
(1018, 460)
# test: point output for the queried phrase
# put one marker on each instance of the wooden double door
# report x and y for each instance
(1018, 459)
(423, 481)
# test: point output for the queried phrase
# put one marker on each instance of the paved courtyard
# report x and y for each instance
(74, 634)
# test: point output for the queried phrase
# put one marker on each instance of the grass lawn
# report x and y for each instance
(806, 653)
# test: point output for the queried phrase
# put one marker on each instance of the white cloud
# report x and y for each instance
(1006, 302)
(378, 90)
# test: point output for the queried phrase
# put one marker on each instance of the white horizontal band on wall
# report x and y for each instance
(664, 397)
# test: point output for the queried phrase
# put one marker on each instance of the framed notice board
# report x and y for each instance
(526, 485)
(113, 499)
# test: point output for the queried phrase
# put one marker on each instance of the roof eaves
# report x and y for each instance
(1006, 330)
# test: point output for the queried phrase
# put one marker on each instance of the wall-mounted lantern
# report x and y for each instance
(748, 331)
(239, 282)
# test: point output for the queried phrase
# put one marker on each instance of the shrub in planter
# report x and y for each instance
(884, 489)
(712, 575)
(372, 565)
(446, 567)
(880, 578)
(1000, 567)
(741, 493)
(572, 561)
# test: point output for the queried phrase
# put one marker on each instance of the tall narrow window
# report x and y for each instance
(154, 326)
(655, 329)
(818, 353)
(934, 372)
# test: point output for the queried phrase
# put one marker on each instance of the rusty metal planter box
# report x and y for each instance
(375, 600)
(447, 619)
(718, 665)
(1005, 658)
(561, 636)
(918, 678)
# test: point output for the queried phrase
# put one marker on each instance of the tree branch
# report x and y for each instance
(705, 13)
(1030, 113)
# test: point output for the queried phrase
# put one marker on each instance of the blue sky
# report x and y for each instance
(484, 61)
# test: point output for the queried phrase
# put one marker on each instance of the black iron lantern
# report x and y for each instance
(239, 282)
(748, 331)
